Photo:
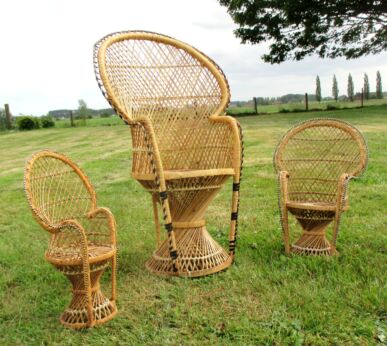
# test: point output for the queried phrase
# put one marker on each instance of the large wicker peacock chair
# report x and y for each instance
(83, 237)
(315, 161)
(184, 149)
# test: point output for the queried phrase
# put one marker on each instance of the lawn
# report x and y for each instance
(300, 106)
(264, 298)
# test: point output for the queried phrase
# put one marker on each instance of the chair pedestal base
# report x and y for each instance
(75, 316)
(313, 240)
(198, 255)
(313, 244)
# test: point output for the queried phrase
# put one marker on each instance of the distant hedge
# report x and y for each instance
(28, 123)
(47, 122)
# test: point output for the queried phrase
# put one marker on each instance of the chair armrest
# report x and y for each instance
(342, 191)
(283, 178)
(235, 129)
(68, 237)
(156, 162)
(101, 225)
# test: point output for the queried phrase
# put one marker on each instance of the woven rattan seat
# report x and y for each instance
(83, 239)
(173, 97)
(315, 161)
(95, 253)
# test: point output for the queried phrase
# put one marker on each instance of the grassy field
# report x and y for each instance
(300, 106)
(264, 298)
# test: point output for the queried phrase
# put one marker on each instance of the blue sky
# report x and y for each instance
(46, 55)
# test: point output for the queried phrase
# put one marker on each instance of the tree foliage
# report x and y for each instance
(379, 91)
(366, 87)
(47, 122)
(350, 88)
(83, 111)
(26, 123)
(335, 88)
(298, 28)
(318, 89)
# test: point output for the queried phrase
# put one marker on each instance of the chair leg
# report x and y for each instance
(335, 231)
(285, 228)
(171, 234)
(87, 283)
(114, 277)
(234, 219)
(156, 220)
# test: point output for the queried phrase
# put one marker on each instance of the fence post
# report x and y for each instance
(362, 97)
(306, 102)
(8, 119)
(71, 119)
(255, 105)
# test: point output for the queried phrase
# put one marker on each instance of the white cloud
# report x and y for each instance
(46, 59)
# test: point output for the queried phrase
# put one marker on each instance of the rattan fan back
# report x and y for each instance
(315, 154)
(177, 87)
(56, 189)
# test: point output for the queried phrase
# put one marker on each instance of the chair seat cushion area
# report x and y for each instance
(185, 173)
(72, 255)
(315, 205)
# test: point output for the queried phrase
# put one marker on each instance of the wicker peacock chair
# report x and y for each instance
(83, 237)
(184, 149)
(315, 161)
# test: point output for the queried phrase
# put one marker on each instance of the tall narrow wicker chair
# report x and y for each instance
(315, 161)
(173, 97)
(83, 237)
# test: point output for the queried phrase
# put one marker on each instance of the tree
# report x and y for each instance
(379, 91)
(350, 88)
(335, 88)
(83, 111)
(318, 89)
(3, 121)
(298, 28)
(366, 87)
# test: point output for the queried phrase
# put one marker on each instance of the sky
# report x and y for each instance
(47, 48)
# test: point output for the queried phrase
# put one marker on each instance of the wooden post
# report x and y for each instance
(362, 98)
(255, 105)
(306, 102)
(8, 118)
(71, 119)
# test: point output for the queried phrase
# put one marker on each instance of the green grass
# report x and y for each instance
(264, 298)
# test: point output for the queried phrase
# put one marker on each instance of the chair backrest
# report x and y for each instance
(316, 153)
(57, 189)
(144, 74)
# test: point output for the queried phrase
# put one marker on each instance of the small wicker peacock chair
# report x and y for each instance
(315, 161)
(184, 148)
(83, 237)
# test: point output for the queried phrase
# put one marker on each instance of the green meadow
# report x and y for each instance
(265, 298)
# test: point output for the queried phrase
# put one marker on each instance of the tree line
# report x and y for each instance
(351, 89)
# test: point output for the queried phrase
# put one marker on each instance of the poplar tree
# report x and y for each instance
(335, 88)
(318, 89)
(350, 88)
(366, 87)
(379, 92)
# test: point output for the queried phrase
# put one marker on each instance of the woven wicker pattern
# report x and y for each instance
(83, 240)
(315, 161)
(184, 148)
